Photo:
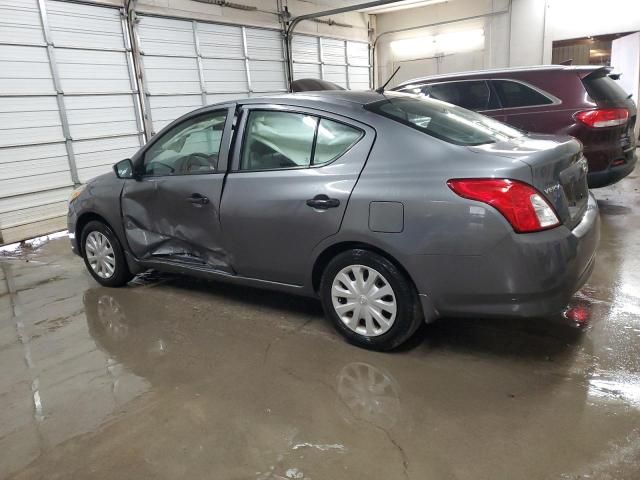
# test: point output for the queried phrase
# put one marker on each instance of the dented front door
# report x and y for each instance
(172, 211)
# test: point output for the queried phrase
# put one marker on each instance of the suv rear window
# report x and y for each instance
(604, 88)
(442, 120)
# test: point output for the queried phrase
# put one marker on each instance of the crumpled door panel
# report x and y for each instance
(160, 222)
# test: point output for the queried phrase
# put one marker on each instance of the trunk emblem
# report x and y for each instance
(552, 188)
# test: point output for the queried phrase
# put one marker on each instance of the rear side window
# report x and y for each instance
(516, 94)
(604, 88)
(473, 95)
(447, 122)
(333, 140)
(276, 140)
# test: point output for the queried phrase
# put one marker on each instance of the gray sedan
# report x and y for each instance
(393, 209)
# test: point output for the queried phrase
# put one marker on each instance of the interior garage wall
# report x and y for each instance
(536, 24)
(625, 55)
(522, 37)
(446, 16)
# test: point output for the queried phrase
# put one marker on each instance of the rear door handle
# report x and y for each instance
(197, 199)
(323, 202)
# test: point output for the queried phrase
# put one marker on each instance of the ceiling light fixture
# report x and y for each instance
(402, 5)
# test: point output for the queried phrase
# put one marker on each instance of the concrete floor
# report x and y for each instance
(173, 378)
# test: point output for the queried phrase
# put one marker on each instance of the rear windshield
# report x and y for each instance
(604, 89)
(443, 120)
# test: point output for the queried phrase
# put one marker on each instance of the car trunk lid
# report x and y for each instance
(558, 171)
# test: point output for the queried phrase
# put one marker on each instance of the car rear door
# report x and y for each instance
(291, 178)
(529, 108)
(171, 210)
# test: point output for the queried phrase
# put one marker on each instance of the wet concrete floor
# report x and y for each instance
(172, 378)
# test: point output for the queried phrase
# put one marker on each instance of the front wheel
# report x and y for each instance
(103, 255)
(369, 300)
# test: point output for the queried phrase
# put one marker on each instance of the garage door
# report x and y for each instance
(188, 64)
(339, 61)
(68, 108)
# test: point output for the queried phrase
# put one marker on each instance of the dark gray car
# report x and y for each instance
(393, 209)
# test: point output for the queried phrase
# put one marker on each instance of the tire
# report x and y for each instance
(114, 271)
(378, 292)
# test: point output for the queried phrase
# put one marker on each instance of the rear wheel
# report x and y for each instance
(369, 300)
(103, 255)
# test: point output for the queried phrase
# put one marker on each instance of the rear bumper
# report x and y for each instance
(526, 275)
(611, 175)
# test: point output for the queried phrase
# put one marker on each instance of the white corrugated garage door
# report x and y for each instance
(188, 64)
(68, 107)
(339, 61)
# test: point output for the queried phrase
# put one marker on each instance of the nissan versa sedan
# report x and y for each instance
(393, 209)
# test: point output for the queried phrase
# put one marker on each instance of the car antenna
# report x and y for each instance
(381, 89)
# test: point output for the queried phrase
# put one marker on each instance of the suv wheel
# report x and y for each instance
(103, 255)
(369, 300)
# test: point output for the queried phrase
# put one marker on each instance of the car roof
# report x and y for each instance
(331, 100)
(342, 102)
(501, 71)
(337, 97)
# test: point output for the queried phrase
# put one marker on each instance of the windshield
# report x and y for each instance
(443, 120)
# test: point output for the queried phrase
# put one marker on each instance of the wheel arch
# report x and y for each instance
(331, 251)
(83, 221)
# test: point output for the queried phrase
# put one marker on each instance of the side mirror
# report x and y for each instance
(124, 169)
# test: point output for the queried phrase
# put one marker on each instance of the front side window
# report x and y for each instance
(444, 121)
(516, 94)
(472, 95)
(276, 140)
(192, 147)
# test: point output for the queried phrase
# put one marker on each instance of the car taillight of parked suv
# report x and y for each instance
(582, 101)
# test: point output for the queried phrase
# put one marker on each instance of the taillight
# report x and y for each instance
(604, 117)
(521, 204)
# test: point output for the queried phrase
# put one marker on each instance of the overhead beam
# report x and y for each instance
(293, 23)
(335, 11)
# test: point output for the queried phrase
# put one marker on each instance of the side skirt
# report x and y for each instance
(210, 274)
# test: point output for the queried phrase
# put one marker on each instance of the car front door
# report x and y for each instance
(290, 182)
(171, 210)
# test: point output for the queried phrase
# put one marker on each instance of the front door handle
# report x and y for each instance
(197, 199)
(323, 202)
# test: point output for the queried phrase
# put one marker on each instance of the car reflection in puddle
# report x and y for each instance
(370, 394)
(245, 378)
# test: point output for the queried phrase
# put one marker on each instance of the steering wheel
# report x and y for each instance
(197, 160)
(171, 169)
